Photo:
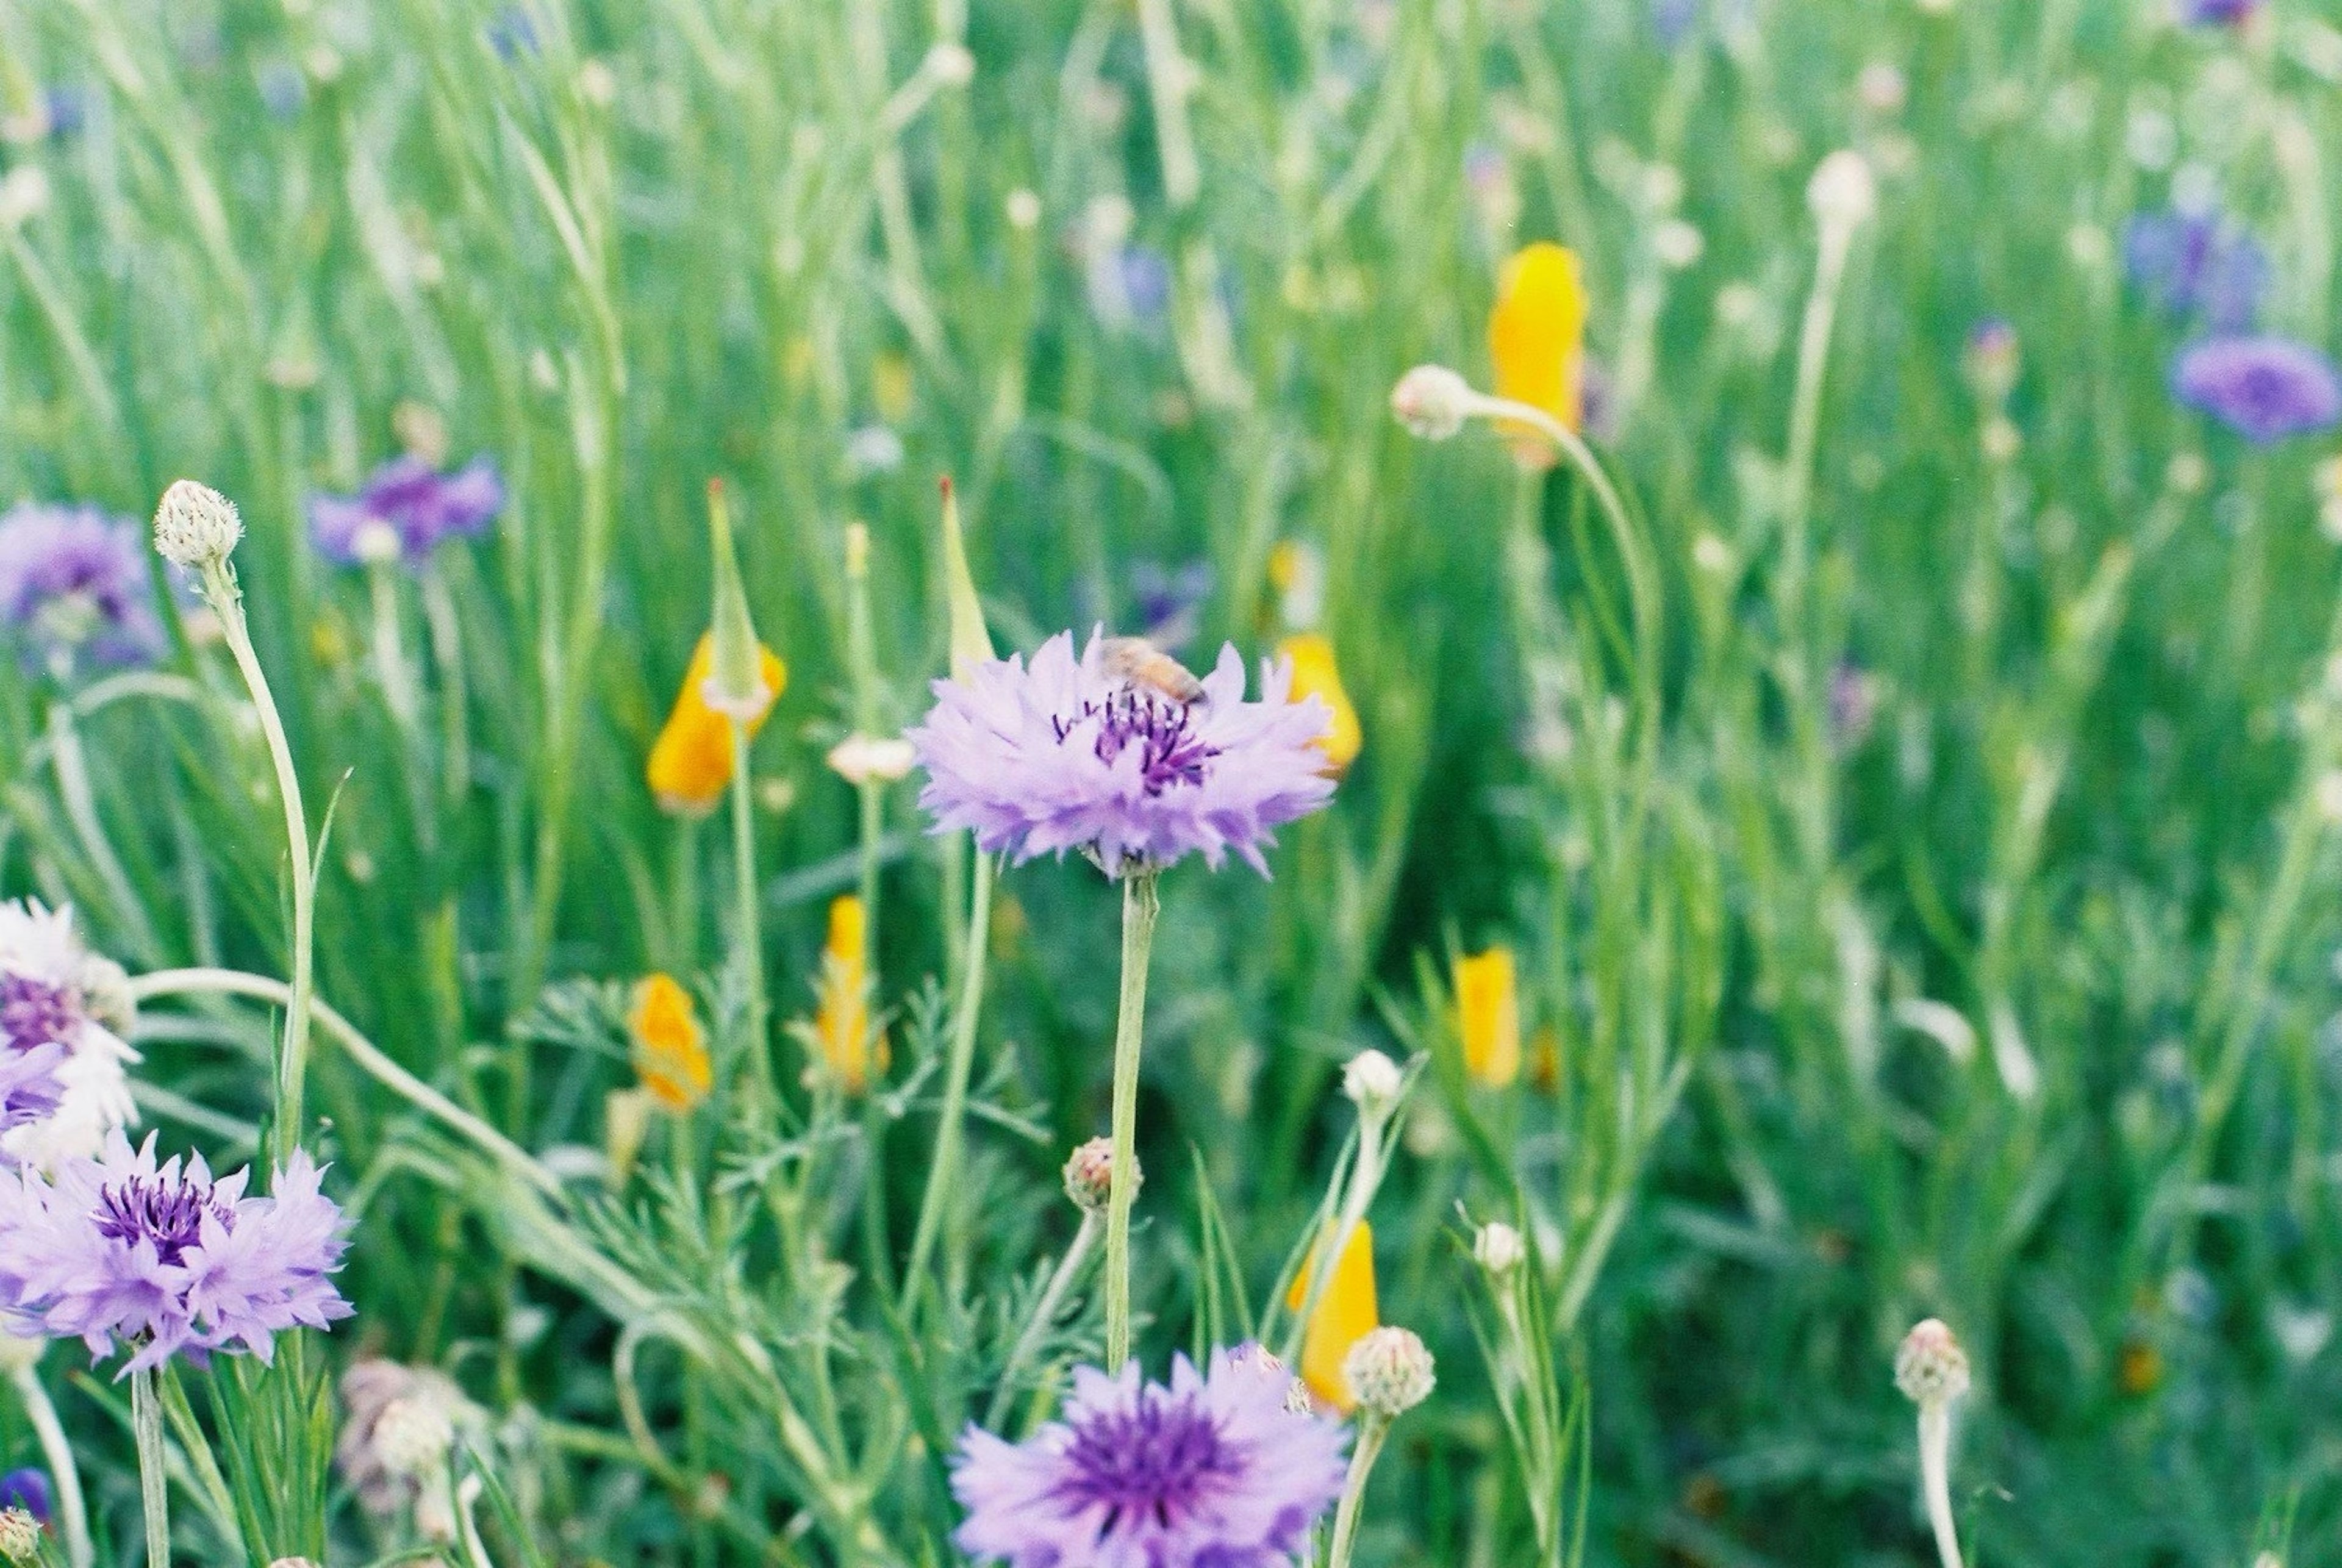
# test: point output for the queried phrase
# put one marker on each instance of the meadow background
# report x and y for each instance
(1921, 863)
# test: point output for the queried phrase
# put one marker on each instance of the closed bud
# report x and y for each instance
(859, 759)
(1373, 1081)
(1499, 1248)
(1843, 192)
(413, 1434)
(971, 643)
(735, 686)
(1089, 1175)
(1389, 1371)
(195, 527)
(20, 1537)
(1432, 401)
(1931, 1369)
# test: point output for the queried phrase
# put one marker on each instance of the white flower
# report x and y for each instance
(1023, 208)
(1373, 1081)
(1499, 1248)
(873, 449)
(195, 527)
(1843, 192)
(858, 759)
(1432, 401)
(81, 999)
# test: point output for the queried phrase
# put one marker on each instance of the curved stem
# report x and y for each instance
(1935, 1477)
(369, 1058)
(73, 1513)
(1372, 1430)
(943, 1175)
(146, 1422)
(1045, 1313)
(1139, 904)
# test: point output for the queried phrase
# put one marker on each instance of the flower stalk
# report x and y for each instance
(72, 1511)
(146, 1425)
(1140, 903)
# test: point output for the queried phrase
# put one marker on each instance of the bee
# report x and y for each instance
(1142, 664)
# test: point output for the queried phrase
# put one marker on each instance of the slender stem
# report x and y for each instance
(1805, 421)
(1372, 1430)
(391, 670)
(1936, 1476)
(749, 932)
(1139, 904)
(943, 1175)
(146, 1422)
(369, 1058)
(73, 1513)
(292, 1063)
(1045, 1313)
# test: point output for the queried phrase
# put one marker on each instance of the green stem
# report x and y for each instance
(1139, 904)
(73, 1513)
(1372, 1430)
(748, 932)
(1045, 1313)
(943, 1175)
(146, 1422)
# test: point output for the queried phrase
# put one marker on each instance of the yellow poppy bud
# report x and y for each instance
(1536, 338)
(1315, 674)
(670, 1048)
(691, 761)
(625, 1122)
(1347, 1313)
(1488, 1017)
(850, 1047)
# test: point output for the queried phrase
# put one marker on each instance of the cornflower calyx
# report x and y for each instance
(1931, 1369)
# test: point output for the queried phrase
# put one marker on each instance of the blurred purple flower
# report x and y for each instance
(512, 33)
(1208, 1472)
(2214, 13)
(74, 584)
(1167, 598)
(2262, 388)
(27, 1489)
(165, 1258)
(2194, 263)
(283, 89)
(1068, 753)
(1853, 704)
(406, 510)
(1145, 281)
(1673, 20)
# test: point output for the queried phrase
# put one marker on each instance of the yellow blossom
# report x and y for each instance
(891, 386)
(1315, 674)
(1347, 1313)
(1488, 1016)
(850, 1047)
(1536, 338)
(670, 1047)
(690, 763)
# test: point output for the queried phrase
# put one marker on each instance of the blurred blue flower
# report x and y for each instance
(27, 1489)
(75, 587)
(511, 34)
(406, 510)
(2216, 13)
(1673, 20)
(1167, 598)
(283, 89)
(1145, 281)
(2262, 388)
(67, 107)
(2196, 264)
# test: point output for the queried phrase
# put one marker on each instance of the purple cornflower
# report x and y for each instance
(2194, 263)
(74, 584)
(2216, 13)
(1208, 1472)
(1167, 599)
(1122, 755)
(27, 1489)
(2262, 388)
(407, 508)
(164, 1257)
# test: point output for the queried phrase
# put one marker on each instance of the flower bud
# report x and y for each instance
(949, 64)
(971, 643)
(1931, 1368)
(1432, 401)
(1389, 1371)
(20, 1537)
(413, 1434)
(195, 527)
(858, 759)
(1843, 192)
(1499, 1248)
(735, 686)
(1373, 1081)
(1089, 1175)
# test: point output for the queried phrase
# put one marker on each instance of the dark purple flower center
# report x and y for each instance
(34, 1014)
(1170, 751)
(1154, 1462)
(168, 1213)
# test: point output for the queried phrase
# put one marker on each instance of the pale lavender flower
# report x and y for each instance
(1069, 754)
(2194, 263)
(55, 996)
(1207, 1472)
(2262, 388)
(165, 1259)
(406, 509)
(2216, 13)
(74, 584)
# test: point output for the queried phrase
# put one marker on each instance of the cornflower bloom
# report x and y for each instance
(404, 509)
(1315, 674)
(690, 764)
(2216, 13)
(61, 1007)
(165, 1258)
(2192, 263)
(75, 588)
(1345, 1313)
(670, 1048)
(1488, 1016)
(1536, 339)
(1121, 754)
(2262, 388)
(1212, 1471)
(852, 1047)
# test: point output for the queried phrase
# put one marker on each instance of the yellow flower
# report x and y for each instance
(691, 761)
(850, 1047)
(891, 386)
(670, 1048)
(1315, 674)
(1537, 336)
(1347, 1313)
(1488, 1016)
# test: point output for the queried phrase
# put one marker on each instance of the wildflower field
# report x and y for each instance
(1170, 784)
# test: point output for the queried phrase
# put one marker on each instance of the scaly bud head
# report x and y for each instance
(1432, 401)
(195, 527)
(1389, 1372)
(1931, 1369)
(1373, 1081)
(20, 1537)
(1089, 1175)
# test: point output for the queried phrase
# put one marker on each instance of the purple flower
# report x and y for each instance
(2193, 263)
(1673, 20)
(74, 584)
(166, 1258)
(406, 510)
(1208, 1472)
(27, 1489)
(1167, 599)
(2216, 13)
(2262, 388)
(1127, 758)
